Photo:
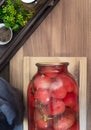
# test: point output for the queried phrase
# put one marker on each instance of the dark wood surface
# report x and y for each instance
(5, 73)
(7, 51)
(65, 32)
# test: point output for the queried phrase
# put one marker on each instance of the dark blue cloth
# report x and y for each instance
(11, 107)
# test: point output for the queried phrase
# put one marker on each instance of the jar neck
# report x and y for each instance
(51, 68)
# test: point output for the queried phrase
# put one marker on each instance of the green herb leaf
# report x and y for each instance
(14, 15)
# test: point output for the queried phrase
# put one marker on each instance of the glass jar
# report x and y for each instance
(53, 99)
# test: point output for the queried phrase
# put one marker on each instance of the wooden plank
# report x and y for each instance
(83, 93)
(78, 67)
(26, 79)
(65, 32)
(16, 71)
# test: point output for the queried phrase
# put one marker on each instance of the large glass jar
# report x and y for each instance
(53, 99)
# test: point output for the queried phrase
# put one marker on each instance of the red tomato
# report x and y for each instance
(42, 95)
(76, 108)
(69, 83)
(41, 81)
(56, 83)
(56, 107)
(42, 124)
(64, 81)
(70, 100)
(75, 126)
(39, 122)
(38, 118)
(59, 93)
(65, 122)
(37, 114)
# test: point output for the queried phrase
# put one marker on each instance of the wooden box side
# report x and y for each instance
(78, 67)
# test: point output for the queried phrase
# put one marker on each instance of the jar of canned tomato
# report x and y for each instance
(53, 98)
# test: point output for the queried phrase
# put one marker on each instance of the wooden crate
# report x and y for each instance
(78, 67)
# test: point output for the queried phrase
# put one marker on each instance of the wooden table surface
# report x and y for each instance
(65, 32)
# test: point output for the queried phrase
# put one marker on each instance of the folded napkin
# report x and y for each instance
(11, 107)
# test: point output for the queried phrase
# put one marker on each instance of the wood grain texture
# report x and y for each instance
(78, 67)
(16, 70)
(65, 32)
(83, 93)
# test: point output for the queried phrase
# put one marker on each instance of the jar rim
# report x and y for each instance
(52, 63)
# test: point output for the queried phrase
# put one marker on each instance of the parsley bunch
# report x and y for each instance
(14, 15)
